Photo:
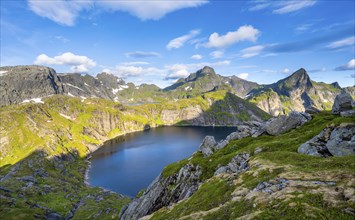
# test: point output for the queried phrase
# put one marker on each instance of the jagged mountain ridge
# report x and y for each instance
(295, 93)
(206, 80)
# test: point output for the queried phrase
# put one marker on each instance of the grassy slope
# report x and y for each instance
(280, 159)
(33, 134)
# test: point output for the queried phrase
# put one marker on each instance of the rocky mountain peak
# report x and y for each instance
(298, 80)
(206, 71)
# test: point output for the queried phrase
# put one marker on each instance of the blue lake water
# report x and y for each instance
(131, 162)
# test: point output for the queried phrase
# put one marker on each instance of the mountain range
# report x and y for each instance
(296, 92)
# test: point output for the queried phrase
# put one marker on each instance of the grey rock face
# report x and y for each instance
(342, 103)
(332, 141)
(285, 123)
(19, 83)
(342, 141)
(207, 146)
(164, 192)
(348, 113)
(238, 164)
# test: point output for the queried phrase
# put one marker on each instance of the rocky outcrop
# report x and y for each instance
(21, 83)
(332, 141)
(342, 103)
(246, 129)
(285, 123)
(208, 146)
(164, 191)
(238, 164)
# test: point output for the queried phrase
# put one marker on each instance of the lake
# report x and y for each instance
(131, 162)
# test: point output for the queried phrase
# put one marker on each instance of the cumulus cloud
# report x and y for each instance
(78, 64)
(65, 12)
(342, 43)
(177, 71)
(348, 66)
(243, 75)
(217, 54)
(196, 57)
(243, 33)
(141, 54)
(180, 41)
(282, 7)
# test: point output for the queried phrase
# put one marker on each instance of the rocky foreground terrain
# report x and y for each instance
(296, 165)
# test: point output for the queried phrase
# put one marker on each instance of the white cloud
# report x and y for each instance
(180, 41)
(342, 43)
(217, 54)
(65, 12)
(304, 27)
(196, 57)
(142, 54)
(285, 71)
(349, 66)
(61, 11)
(133, 71)
(292, 6)
(177, 71)
(78, 64)
(146, 10)
(282, 7)
(243, 75)
(252, 51)
(244, 33)
(135, 63)
(62, 39)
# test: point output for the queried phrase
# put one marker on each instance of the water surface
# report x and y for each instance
(130, 163)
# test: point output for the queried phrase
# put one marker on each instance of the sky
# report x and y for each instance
(160, 41)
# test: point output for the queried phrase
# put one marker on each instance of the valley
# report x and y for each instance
(51, 136)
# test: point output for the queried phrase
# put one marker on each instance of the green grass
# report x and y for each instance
(281, 152)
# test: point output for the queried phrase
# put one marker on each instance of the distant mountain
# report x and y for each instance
(296, 92)
(206, 80)
(25, 83)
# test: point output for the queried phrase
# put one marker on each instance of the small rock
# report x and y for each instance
(258, 150)
(348, 113)
(5, 189)
(292, 204)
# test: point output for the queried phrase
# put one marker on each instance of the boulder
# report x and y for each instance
(342, 141)
(207, 146)
(237, 165)
(342, 103)
(332, 141)
(285, 123)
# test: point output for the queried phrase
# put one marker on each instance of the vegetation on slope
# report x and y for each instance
(278, 159)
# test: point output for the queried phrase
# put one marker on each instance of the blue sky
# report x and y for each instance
(160, 41)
